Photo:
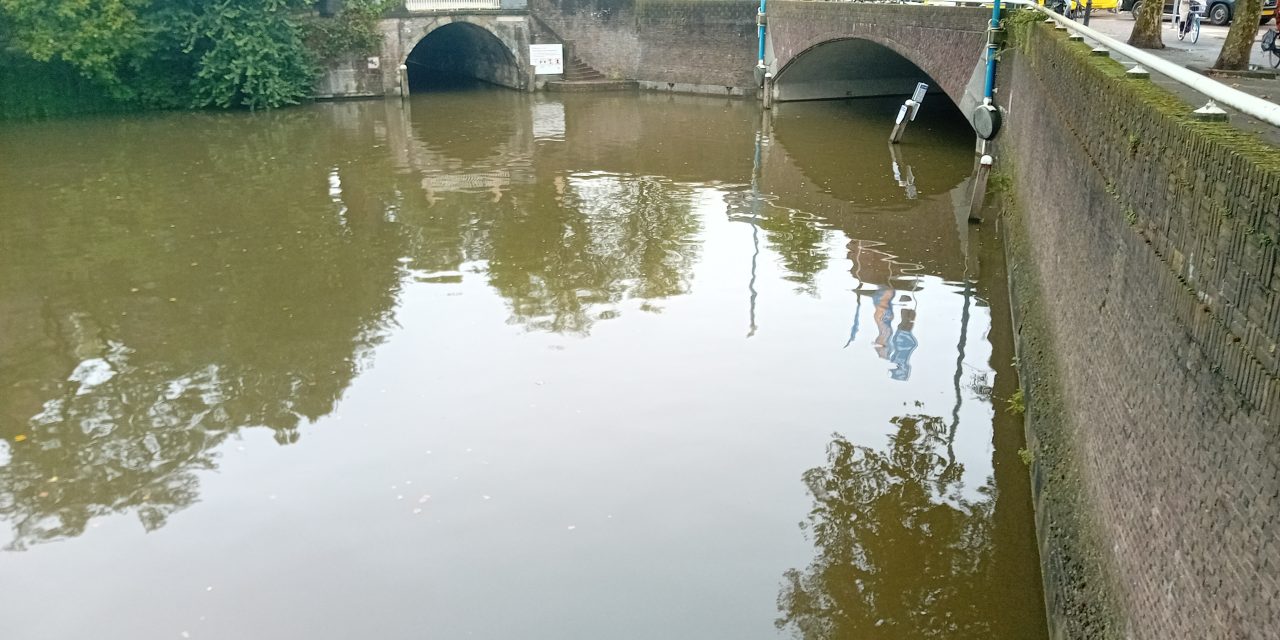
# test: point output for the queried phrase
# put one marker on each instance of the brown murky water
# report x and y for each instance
(506, 366)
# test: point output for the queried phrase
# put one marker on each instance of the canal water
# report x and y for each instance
(494, 365)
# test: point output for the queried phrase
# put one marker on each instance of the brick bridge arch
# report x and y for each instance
(506, 32)
(841, 49)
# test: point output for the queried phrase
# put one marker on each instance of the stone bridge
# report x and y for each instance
(816, 50)
(824, 50)
(432, 39)
(483, 39)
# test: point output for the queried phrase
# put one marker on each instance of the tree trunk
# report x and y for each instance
(1239, 43)
(1146, 25)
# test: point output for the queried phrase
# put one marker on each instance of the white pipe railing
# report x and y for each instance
(450, 5)
(1252, 106)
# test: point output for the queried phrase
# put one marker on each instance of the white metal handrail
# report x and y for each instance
(450, 5)
(1249, 105)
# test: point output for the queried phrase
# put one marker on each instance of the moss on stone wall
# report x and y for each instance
(1082, 601)
(1146, 281)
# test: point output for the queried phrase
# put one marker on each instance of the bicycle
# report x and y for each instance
(1270, 46)
(1192, 28)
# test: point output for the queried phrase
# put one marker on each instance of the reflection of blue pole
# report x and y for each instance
(991, 50)
(760, 34)
(755, 230)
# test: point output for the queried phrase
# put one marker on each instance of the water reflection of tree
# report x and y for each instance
(607, 239)
(901, 553)
(164, 325)
(798, 241)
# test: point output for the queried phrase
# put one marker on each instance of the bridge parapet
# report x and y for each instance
(431, 6)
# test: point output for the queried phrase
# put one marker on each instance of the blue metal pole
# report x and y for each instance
(989, 91)
(760, 34)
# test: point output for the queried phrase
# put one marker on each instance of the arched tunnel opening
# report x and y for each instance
(461, 56)
(853, 68)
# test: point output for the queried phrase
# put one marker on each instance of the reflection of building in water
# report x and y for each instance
(873, 267)
(490, 156)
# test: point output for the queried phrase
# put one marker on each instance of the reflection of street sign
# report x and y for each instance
(547, 59)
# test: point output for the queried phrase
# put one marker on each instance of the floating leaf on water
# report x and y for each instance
(20, 437)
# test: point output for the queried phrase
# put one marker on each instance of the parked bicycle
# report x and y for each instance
(1271, 47)
(1190, 25)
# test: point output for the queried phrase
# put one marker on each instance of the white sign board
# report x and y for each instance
(921, 89)
(547, 59)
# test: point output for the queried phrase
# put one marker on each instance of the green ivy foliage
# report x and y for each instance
(253, 54)
(353, 30)
(250, 54)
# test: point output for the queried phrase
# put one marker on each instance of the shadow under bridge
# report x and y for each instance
(458, 55)
(848, 68)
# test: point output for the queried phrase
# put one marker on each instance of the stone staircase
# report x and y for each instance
(579, 76)
(578, 71)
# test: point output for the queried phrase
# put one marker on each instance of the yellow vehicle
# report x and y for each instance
(1098, 5)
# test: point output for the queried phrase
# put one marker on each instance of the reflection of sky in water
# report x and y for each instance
(581, 399)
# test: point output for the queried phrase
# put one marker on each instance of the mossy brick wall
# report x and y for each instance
(945, 42)
(694, 43)
(1145, 276)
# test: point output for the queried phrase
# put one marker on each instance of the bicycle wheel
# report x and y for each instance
(1195, 30)
(1273, 55)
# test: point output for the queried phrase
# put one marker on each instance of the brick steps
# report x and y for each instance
(578, 71)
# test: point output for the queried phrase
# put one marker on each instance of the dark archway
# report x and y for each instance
(460, 53)
(848, 68)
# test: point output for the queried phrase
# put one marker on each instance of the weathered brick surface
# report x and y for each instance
(712, 43)
(707, 43)
(1153, 241)
(946, 42)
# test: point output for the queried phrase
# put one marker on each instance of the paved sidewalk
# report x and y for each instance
(1200, 56)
